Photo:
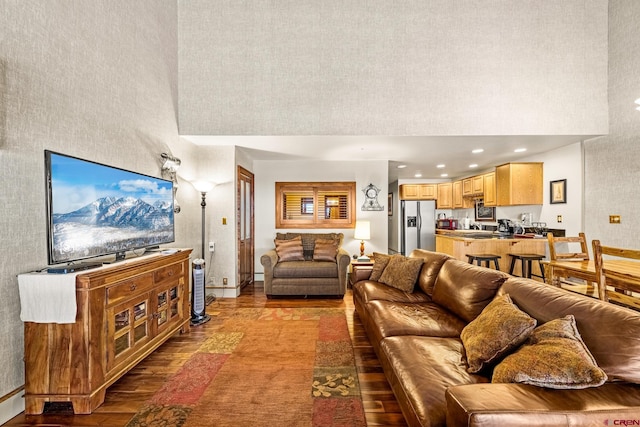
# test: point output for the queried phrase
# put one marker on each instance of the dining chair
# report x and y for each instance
(622, 277)
(565, 263)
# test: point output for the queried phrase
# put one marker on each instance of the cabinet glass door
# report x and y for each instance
(128, 325)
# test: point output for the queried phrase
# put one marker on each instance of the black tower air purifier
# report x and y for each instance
(198, 303)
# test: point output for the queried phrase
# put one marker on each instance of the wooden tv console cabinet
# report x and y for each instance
(124, 312)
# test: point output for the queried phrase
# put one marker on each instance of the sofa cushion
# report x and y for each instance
(433, 262)
(380, 262)
(466, 289)
(309, 239)
(289, 250)
(611, 333)
(554, 356)
(420, 369)
(325, 250)
(305, 269)
(402, 272)
(524, 405)
(500, 328)
(368, 291)
(424, 319)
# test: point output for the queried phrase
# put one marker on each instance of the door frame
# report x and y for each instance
(244, 175)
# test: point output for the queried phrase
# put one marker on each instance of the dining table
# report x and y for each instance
(615, 271)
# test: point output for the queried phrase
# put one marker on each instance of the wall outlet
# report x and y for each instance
(212, 246)
(559, 218)
(224, 281)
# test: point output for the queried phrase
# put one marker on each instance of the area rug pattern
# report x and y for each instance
(271, 366)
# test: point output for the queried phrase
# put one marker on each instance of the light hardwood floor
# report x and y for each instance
(127, 395)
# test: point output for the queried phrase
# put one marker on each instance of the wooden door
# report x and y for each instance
(245, 227)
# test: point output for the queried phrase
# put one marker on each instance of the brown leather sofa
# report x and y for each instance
(416, 336)
(306, 277)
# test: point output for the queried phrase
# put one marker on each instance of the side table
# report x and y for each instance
(360, 270)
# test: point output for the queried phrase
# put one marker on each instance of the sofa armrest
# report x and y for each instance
(526, 405)
(268, 260)
(344, 260)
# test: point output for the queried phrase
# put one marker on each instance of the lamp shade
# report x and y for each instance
(362, 231)
(203, 186)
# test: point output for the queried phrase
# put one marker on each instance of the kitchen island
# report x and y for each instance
(459, 243)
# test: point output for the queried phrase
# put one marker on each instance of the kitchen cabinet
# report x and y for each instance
(489, 182)
(445, 196)
(467, 187)
(124, 312)
(458, 200)
(456, 193)
(519, 184)
(477, 184)
(418, 191)
(473, 186)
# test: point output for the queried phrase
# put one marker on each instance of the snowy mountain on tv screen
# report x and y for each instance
(110, 225)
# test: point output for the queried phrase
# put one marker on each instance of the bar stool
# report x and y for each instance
(525, 264)
(486, 258)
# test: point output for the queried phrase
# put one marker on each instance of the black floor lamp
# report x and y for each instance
(198, 303)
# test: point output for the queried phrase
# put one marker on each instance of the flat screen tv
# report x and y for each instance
(95, 210)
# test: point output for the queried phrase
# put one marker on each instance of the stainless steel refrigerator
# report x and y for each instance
(418, 225)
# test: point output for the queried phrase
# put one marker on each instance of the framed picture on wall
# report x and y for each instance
(484, 213)
(558, 191)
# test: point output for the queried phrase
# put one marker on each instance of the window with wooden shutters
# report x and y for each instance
(315, 204)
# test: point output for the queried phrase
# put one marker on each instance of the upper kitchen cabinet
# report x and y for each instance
(518, 184)
(419, 192)
(459, 201)
(489, 184)
(472, 186)
(445, 196)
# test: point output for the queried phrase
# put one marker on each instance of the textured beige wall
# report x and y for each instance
(94, 79)
(379, 67)
(612, 174)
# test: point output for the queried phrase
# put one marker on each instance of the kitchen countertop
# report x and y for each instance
(484, 235)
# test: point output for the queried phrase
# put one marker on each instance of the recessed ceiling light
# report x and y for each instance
(440, 166)
(418, 175)
(401, 166)
(444, 175)
(477, 150)
(473, 165)
(519, 150)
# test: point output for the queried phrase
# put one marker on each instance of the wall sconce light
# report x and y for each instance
(169, 169)
(362, 233)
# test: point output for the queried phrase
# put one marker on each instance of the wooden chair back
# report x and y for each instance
(554, 255)
(624, 278)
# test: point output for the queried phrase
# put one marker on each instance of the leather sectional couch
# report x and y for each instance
(417, 337)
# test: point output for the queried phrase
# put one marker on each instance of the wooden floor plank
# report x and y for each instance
(125, 397)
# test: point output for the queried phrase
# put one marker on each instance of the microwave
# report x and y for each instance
(447, 224)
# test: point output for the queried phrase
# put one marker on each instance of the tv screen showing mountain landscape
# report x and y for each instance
(96, 209)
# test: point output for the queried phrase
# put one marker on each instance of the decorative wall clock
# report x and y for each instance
(371, 198)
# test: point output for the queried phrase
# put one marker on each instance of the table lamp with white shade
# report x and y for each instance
(362, 232)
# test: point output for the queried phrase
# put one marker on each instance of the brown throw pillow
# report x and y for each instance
(325, 250)
(554, 356)
(289, 250)
(500, 328)
(401, 272)
(380, 262)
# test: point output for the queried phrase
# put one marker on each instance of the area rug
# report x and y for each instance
(259, 367)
